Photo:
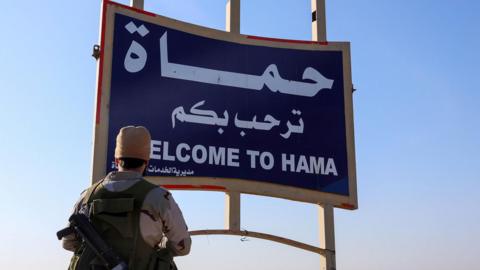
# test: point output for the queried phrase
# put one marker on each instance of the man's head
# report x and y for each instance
(132, 151)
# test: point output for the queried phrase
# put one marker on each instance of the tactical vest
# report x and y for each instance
(116, 217)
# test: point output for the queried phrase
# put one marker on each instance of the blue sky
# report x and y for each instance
(415, 65)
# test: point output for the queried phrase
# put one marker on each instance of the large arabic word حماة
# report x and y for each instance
(209, 117)
(270, 77)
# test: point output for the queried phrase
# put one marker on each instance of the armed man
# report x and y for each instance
(139, 222)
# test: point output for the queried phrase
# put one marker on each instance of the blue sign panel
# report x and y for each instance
(228, 110)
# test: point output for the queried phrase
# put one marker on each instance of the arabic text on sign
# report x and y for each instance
(270, 78)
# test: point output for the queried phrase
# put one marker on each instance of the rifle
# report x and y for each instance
(80, 225)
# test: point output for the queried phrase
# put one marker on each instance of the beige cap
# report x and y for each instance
(133, 142)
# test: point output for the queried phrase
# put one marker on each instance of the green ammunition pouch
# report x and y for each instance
(116, 217)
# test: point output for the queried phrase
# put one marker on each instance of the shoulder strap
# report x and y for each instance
(90, 191)
(141, 189)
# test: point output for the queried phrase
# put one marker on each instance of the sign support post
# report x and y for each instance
(232, 199)
(327, 237)
(232, 211)
(325, 211)
(319, 23)
(137, 4)
(233, 16)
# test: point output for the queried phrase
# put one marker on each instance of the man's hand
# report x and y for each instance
(70, 242)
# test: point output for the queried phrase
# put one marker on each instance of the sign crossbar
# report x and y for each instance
(264, 236)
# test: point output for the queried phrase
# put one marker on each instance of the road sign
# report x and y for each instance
(226, 111)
